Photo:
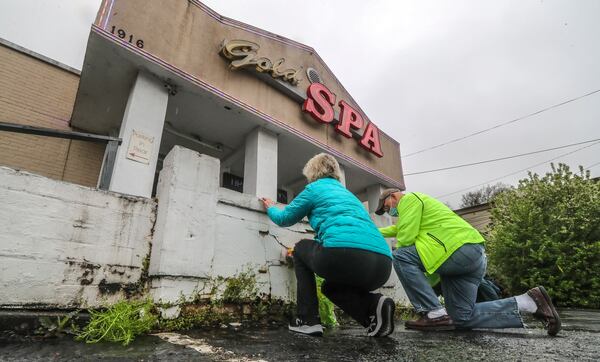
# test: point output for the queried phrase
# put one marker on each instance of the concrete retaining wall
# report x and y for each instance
(63, 245)
(204, 233)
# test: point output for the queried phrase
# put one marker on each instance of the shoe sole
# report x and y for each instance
(554, 312)
(390, 310)
(380, 304)
(315, 331)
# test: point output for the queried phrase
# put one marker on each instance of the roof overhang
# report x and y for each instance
(211, 103)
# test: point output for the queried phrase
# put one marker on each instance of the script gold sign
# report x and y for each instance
(243, 53)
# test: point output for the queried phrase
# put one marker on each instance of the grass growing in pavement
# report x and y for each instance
(405, 313)
(121, 322)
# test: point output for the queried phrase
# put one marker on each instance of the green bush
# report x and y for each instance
(547, 232)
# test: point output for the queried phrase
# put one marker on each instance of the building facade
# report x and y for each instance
(209, 114)
(37, 91)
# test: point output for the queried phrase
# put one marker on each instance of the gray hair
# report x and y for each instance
(320, 166)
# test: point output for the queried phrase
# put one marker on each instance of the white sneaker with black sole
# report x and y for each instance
(299, 326)
(382, 323)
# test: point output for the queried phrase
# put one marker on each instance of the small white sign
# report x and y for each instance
(140, 147)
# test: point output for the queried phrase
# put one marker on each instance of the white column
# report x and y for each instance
(184, 234)
(343, 174)
(373, 192)
(260, 164)
(183, 243)
(134, 170)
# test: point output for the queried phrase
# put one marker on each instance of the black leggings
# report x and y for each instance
(350, 274)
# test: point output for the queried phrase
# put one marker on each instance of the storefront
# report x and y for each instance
(172, 73)
(208, 104)
(177, 73)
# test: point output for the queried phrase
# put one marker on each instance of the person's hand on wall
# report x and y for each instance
(267, 202)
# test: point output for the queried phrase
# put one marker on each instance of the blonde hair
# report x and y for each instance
(320, 166)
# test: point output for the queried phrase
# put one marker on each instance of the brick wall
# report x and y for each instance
(36, 93)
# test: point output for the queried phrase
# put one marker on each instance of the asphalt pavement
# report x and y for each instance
(579, 341)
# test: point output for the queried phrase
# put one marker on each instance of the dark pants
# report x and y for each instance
(350, 274)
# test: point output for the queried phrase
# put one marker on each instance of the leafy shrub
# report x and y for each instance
(547, 232)
(121, 322)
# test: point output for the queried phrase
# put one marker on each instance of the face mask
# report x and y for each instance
(393, 212)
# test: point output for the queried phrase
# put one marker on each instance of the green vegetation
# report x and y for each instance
(241, 288)
(58, 326)
(239, 302)
(547, 232)
(121, 322)
(326, 307)
(405, 313)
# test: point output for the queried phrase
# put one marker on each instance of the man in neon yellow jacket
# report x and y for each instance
(431, 238)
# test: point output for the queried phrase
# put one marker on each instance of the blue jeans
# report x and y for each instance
(460, 275)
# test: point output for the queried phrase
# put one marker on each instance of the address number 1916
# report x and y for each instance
(123, 35)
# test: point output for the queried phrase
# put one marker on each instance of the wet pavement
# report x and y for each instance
(579, 340)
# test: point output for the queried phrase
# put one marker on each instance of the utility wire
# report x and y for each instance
(502, 124)
(516, 172)
(499, 159)
(590, 166)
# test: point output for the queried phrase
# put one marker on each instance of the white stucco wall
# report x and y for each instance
(64, 245)
(204, 232)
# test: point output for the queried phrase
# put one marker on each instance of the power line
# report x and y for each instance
(590, 166)
(502, 124)
(499, 159)
(516, 172)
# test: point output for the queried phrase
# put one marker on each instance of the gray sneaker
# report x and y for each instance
(299, 326)
(382, 323)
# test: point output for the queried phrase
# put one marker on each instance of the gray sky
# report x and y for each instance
(424, 71)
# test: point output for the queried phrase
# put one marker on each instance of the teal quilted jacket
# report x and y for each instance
(338, 218)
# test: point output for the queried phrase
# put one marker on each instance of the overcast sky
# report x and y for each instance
(425, 72)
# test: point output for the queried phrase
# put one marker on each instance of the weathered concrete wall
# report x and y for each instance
(63, 245)
(204, 233)
(248, 239)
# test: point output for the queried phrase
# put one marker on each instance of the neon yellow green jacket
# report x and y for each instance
(435, 230)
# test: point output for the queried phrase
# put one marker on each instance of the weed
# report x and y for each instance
(241, 288)
(58, 326)
(405, 313)
(239, 301)
(121, 322)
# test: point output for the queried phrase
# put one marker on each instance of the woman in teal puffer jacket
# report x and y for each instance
(348, 252)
